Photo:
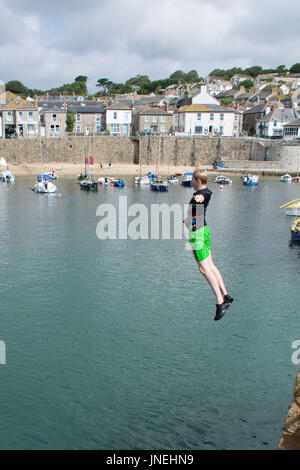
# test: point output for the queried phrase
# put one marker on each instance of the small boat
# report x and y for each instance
(286, 178)
(7, 177)
(44, 185)
(104, 180)
(89, 185)
(173, 179)
(250, 180)
(159, 185)
(143, 180)
(292, 207)
(222, 180)
(296, 180)
(295, 230)
(119, 183)
(187, 180)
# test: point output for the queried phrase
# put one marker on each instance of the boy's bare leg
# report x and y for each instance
(218, 275)
(210, 276)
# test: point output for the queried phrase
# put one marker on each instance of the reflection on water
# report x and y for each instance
(112, 344)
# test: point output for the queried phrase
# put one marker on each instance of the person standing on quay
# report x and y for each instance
(200, 241)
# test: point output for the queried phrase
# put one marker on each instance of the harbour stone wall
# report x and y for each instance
(167, 150)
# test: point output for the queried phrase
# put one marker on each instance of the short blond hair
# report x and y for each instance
(200, 175)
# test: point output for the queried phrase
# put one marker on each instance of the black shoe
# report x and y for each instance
(227, 300)
(220, 311)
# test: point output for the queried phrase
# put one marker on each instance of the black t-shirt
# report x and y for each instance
(199, 208)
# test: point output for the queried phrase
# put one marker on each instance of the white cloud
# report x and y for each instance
(45, 46)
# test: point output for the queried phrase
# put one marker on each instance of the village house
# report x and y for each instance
(205, 120)
(89, 118)
(155, 120)
(271, 125)
(53, 121)
(119, 119)
(251, 117)
(20, 118)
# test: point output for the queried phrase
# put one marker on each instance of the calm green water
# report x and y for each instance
(112, 344)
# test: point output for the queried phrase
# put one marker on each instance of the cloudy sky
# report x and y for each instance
(45, 44)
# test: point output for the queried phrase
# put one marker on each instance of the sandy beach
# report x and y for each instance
(73, 169)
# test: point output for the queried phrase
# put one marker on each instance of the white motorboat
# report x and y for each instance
(286, 178)
(143, 180)
(44, 185)
(173, 179)
(104, 180)
(7, 177)
(222, 180)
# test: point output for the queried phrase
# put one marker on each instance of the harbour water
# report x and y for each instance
(111, 344)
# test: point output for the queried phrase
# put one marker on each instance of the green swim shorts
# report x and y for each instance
(200, 241)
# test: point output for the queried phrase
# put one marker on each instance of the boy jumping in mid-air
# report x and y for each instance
(200, 241)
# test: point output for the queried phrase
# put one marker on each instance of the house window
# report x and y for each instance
(30, 128)
(9, 116)
(147, 118)
(20, 115)
(154, 118)
(275, 123)
(115, 115)
(198, 129)
(78, 128)
(57, 128)
(235, 118)
(52, 128)
(221, 130)
(98, 118)
(291, 131)
(163, 129)
(211, 116)
(222, 117)
(53, 117)
(115, 128)
(78, 117)
(30, 115)
(198, 116)
(163, 119)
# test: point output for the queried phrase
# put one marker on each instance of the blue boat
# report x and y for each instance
(118, 183)
(250, 180)
(159, 185)
(187, 180)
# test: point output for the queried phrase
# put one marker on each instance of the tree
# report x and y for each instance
(178, 75)
(246, 83)
(105, 84)
(281, 69)
(70, 120)
(191, 76)
(254, 71)
(17, 87)
(295, 68)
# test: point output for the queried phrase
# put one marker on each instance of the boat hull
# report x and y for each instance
(41, 188)
(294, 211)
(295, 236)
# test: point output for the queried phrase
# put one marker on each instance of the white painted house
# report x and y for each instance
(119, 119)
(203, 97)
(272, 123)
(206, 120)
